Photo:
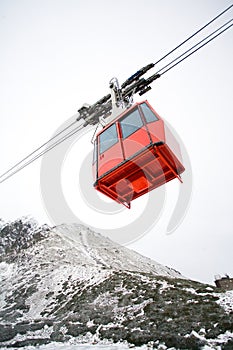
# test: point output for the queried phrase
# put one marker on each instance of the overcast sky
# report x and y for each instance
(57, 55)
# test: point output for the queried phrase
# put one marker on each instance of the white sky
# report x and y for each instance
(57, 55)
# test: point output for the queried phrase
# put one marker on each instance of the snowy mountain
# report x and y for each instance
(69, 284)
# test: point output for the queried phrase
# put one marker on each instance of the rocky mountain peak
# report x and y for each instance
(18, 235)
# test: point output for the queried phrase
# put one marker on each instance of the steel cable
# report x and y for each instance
(36, 150)
(49, 148)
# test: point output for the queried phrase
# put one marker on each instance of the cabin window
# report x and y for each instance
(131, 123)
(148, 113)
(108, 138)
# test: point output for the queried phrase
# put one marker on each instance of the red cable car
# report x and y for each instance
(134, 154)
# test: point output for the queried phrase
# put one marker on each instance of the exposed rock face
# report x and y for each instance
(70, 283)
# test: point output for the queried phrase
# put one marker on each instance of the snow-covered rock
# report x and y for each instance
(226, 300)
(100, 251)
(71, 285)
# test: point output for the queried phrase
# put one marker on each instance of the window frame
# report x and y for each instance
(125, 117)
(101, 142)
(144, 114)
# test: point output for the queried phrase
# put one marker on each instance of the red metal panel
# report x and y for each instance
(143, 173)
(135, 142)
(172, 142)
(109, 159)
(146, 171)
(156, 130)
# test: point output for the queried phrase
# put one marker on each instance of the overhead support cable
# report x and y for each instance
(194, 34)
(143, 70)
(208, 36)
(49, 148)
(184, 58)
(36, 150)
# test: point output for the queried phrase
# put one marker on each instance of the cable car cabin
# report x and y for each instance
(135, 154)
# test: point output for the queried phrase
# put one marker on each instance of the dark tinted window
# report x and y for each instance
(149, 115)
(131, 123)
(108, 138)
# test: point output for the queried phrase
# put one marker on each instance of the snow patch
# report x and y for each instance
(6, 271)
(6, 274)
(212, 343)
(226, 300)
(164, 286)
